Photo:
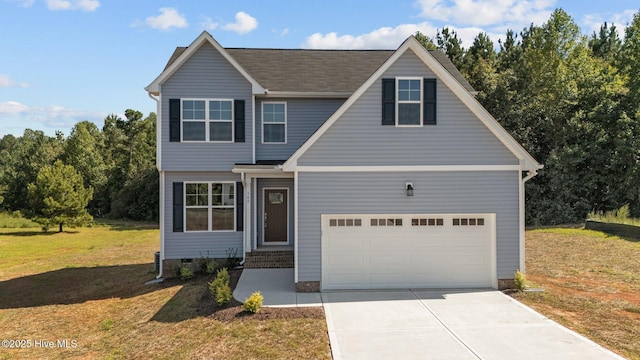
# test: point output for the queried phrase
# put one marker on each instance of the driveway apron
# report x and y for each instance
(459, 324)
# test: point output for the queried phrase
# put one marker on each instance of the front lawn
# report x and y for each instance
(87, 287)
(591, 284)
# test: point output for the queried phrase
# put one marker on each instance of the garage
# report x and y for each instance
(408, 251)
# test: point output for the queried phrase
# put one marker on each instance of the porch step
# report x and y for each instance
(277, 259)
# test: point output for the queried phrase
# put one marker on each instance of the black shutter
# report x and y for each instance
(238, 110)
(178, 207)
(239, 206)
(388, 101)
(174, 120)
(429, 102)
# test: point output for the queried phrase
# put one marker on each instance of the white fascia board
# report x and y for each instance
(205, 37)
(308, 94)
(408, 168)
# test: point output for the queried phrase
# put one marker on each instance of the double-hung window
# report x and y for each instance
(274, 123)
(209, 206)
(409, 103)
(207, 120)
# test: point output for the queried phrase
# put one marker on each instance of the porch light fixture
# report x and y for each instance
(409, 187)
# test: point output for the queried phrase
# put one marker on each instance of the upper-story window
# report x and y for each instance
(207, 120)
(274, 123)
(409, 104)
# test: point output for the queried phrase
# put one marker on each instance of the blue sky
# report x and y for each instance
(64, 61)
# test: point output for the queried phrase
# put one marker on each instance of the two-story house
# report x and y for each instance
(378, 169)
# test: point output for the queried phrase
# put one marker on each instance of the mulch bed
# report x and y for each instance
(234, 310)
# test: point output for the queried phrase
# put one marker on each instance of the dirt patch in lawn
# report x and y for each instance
(234, 310)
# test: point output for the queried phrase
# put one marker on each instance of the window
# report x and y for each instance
(409, 104)
(209, 206)
(274, 123)
(207, 120)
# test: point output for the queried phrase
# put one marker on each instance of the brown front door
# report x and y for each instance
(275, 215)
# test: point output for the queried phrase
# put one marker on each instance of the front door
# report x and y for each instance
(275, 216)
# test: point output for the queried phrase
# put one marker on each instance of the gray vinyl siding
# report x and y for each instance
(304, 117)
(191, 245)
(205, 75)
(275, 183)
(384, 193)
(358, 138)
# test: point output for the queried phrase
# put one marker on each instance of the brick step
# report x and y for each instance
(279, 259)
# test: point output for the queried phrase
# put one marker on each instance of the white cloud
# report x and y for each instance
(52, 115)
(209, 24)
(520, 13)
(168, 18)
(592, 22)
(84, 5)
(244, 23)
(7, 82)
(382, 38)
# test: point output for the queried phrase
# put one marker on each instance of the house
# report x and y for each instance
(377, 169)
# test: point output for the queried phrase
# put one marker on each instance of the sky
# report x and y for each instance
(65, 61)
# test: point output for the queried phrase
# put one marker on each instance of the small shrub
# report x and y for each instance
(253, 303)
(520, 281)
(185, 273)
(232, 258)
(220, 282)
(223, 294)
(207, 265)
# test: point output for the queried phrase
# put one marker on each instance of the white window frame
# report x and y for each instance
(207, 121)
(210, 206)
(277, 123)
(420, 102)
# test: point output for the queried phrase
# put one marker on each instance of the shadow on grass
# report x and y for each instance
(76, 285)
(36, 233)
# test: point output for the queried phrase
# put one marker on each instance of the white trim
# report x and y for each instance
(521, 208)
(158, 130)
(253, 126)
(398, 101)
(204, 38)
(398, 168)
(262, 123)
(207, 121)
(308, 94)
(246, 186)
(295, 227)
(528, 162)
(209, 206)
(255, 218)
(264, 190)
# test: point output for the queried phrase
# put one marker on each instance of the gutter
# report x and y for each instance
(161, 185)
(530, 174)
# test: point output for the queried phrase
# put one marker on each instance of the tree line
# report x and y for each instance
(573, 101)
(115, 165)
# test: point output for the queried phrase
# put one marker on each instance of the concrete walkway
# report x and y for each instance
(426, 324)
(277, 287)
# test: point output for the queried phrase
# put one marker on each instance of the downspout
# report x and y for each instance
(244, 232)
(161, 185)
(530, 174)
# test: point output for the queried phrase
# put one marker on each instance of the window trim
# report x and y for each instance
(420, 102)
(209, 206)
(279, 123)
(207, 121)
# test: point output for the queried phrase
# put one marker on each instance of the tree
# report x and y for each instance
(449, 42)
(606, 44)
(425, 40)
(58, 197)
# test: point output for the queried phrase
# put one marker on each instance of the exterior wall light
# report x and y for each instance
(409, 187)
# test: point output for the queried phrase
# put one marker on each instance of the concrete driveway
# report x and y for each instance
(420, 324)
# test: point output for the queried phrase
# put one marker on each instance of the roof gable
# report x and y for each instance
(181, 55)
(526, 161)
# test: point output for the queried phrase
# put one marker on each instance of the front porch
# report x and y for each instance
(270, 257)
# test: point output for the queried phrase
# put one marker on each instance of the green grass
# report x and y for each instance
(15, 221)
(88, 285)
(619, 216)
(591, 283)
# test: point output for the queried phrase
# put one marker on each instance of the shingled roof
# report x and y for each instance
(335, 71)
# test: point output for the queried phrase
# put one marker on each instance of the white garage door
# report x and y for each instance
(408, 251)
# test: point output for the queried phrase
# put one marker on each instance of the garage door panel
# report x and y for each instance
(409, 251)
